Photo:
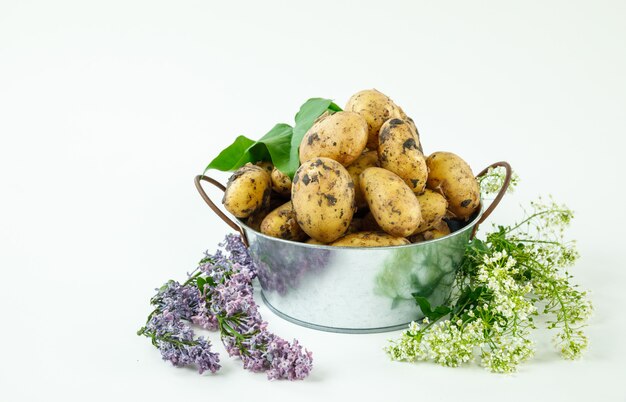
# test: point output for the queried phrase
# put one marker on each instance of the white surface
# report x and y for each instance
(108, 110)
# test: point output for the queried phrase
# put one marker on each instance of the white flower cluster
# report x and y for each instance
(492, 181)
(498, 287)
(498, 329)
(445, 343)
(498, 273)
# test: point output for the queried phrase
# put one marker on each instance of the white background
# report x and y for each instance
(108, 109)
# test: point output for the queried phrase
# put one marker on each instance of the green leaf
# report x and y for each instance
(232, 156)
(432, 315)
(310, 111)
(471, 297)
(200, 282)
(334, 107)
(280, 145)
(274, 144)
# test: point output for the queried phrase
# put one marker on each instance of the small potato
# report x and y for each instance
(440, 230)
(340, 136)
(323, 199)
(281, 183)
(369, 239)
(247, 191)
(391, 201)
(451, 176)
(313, 241)
(433, 206)
(254, 220)
(266, 165)
(282, 223)
(398, 153)
(368, 159)
(376, 108)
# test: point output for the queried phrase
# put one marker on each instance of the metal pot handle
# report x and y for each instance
(503, 189)
(214, 207)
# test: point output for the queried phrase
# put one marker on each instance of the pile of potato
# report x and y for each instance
(363, 182)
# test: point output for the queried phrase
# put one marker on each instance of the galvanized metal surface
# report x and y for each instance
(345, 289)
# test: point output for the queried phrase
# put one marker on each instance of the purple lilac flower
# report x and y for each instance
(238, 251)
(175, 340)
(185, 302)
(231, 308)
(245, 334)
(288, 360)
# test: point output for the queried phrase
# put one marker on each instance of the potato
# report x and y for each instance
(281, 183)
(451, 176)
(398, 153)
(340, 136)
(368, 159)
(391, 201)
(323, 199)
(266, 165)
(413, 128)
(247, 191)
(369, 239)
(440, 230)
(282, 223)
(376, 108)
(254, 221)
(433, 206)
(313, 241)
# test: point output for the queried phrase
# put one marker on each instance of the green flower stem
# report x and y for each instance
(533, 216)
(165, 338)
(192, 278)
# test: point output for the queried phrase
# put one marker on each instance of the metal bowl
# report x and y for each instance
(355, 289)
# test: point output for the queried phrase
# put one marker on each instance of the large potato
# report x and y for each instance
(376, 108)
(248, 190)
(323, 199)
(282, 223)
(398, 153)
(433, 206)
(370, 239)
(281, 183)
(391, 201)
(451, 176)
(340, 136)
(368, 159)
